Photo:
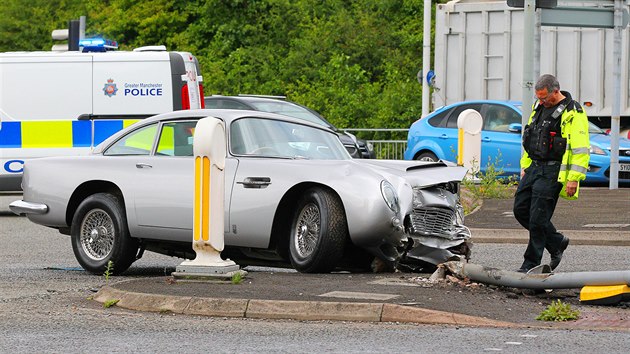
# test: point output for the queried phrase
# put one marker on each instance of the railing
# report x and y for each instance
(388, 144)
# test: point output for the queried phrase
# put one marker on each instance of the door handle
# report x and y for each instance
(444, 136)
(143, 165)
(255, 182)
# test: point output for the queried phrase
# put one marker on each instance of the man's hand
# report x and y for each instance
(522, 173)
(571, 188)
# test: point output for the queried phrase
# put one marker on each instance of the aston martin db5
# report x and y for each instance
(293, 194)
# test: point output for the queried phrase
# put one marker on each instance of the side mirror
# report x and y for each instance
(515, 128)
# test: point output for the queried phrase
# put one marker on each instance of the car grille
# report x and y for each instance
(433, 221)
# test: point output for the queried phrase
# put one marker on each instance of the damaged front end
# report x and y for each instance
(435, 227)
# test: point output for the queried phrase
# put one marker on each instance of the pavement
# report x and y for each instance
(599, 217)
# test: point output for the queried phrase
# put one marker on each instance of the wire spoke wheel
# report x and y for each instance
(318, 231)
(97, 234)
(100, 234)
(307, 230)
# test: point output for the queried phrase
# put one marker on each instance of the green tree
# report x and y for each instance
(28, 25)
(355, 62)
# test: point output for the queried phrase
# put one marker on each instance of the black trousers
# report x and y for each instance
(534, 203)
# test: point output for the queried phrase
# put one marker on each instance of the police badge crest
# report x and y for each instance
(110, 88)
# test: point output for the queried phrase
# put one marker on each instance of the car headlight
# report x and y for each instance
(596, 150)
(390, 196)
(370, 147)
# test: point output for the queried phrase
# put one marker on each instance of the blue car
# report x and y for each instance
(434, 137)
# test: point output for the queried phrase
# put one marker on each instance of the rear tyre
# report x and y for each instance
(318, 232)
(100, 234)
(427, 156)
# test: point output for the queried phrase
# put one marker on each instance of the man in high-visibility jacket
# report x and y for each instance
(556, 144)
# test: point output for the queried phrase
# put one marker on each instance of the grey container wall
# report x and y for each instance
(478, 55)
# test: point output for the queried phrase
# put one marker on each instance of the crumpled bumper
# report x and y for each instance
(436, 227)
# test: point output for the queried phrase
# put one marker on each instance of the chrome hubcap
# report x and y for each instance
(97, 234)
(307, 230)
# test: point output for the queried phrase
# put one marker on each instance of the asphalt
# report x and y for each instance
(600, 216)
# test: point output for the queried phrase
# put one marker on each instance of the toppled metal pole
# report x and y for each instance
(508, 278)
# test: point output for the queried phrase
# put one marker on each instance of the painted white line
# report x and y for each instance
(605, 225)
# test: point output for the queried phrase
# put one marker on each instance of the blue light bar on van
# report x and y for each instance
(97, 44)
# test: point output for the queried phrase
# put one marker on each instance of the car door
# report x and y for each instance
(256, 193)
(500, 147)
(260, 180)
(163, 186)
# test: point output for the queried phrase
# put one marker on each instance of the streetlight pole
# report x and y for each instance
(426, 57)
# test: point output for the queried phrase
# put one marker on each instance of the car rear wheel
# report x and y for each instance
(427, 156)
(100, 234)
(318, 232)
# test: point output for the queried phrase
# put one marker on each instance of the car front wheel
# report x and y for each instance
(427, 156)
(99, 235)
(318, 232)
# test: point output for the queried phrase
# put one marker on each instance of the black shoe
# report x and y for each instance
(522, 270)
(557, 257)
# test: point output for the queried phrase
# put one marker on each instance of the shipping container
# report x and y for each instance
(479, 55)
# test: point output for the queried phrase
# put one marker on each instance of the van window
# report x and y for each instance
(139, 142)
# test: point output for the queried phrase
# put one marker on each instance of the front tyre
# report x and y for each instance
(100, 234)
(427, 156)
(318, 232)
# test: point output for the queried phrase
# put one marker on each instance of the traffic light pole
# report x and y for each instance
(73, 35)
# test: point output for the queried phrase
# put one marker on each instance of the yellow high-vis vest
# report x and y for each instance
(574, 127)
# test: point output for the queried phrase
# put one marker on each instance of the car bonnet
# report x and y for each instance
(418, 173)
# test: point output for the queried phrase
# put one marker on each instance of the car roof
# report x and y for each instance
(246, 99)
(250, 98)
(226, 115)
(515, 104)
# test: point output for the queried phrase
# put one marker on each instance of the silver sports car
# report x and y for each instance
(292, 194)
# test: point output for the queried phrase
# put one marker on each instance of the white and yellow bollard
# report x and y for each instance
(469, 124)
(208, 210)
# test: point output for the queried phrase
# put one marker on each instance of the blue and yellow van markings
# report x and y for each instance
(59, 133)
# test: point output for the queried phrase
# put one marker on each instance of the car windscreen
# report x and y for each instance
(277, 138)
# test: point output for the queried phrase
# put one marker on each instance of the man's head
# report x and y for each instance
(548, 90)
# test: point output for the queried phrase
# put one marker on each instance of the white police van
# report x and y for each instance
(65, 103)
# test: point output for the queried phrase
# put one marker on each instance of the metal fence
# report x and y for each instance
(388, 144)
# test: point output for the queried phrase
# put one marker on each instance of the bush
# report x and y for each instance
(558, 311)
(489, 184)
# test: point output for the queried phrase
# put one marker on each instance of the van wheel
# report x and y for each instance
(318, 232)
(427, 156)
(100, 234)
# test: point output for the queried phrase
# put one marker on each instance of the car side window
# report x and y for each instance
(211, 103)
(498, 118)
(176, 139)
(224, 104)
(259, 137)
(436, 120)
(452, 118)
(138, 142)
(229, 104)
